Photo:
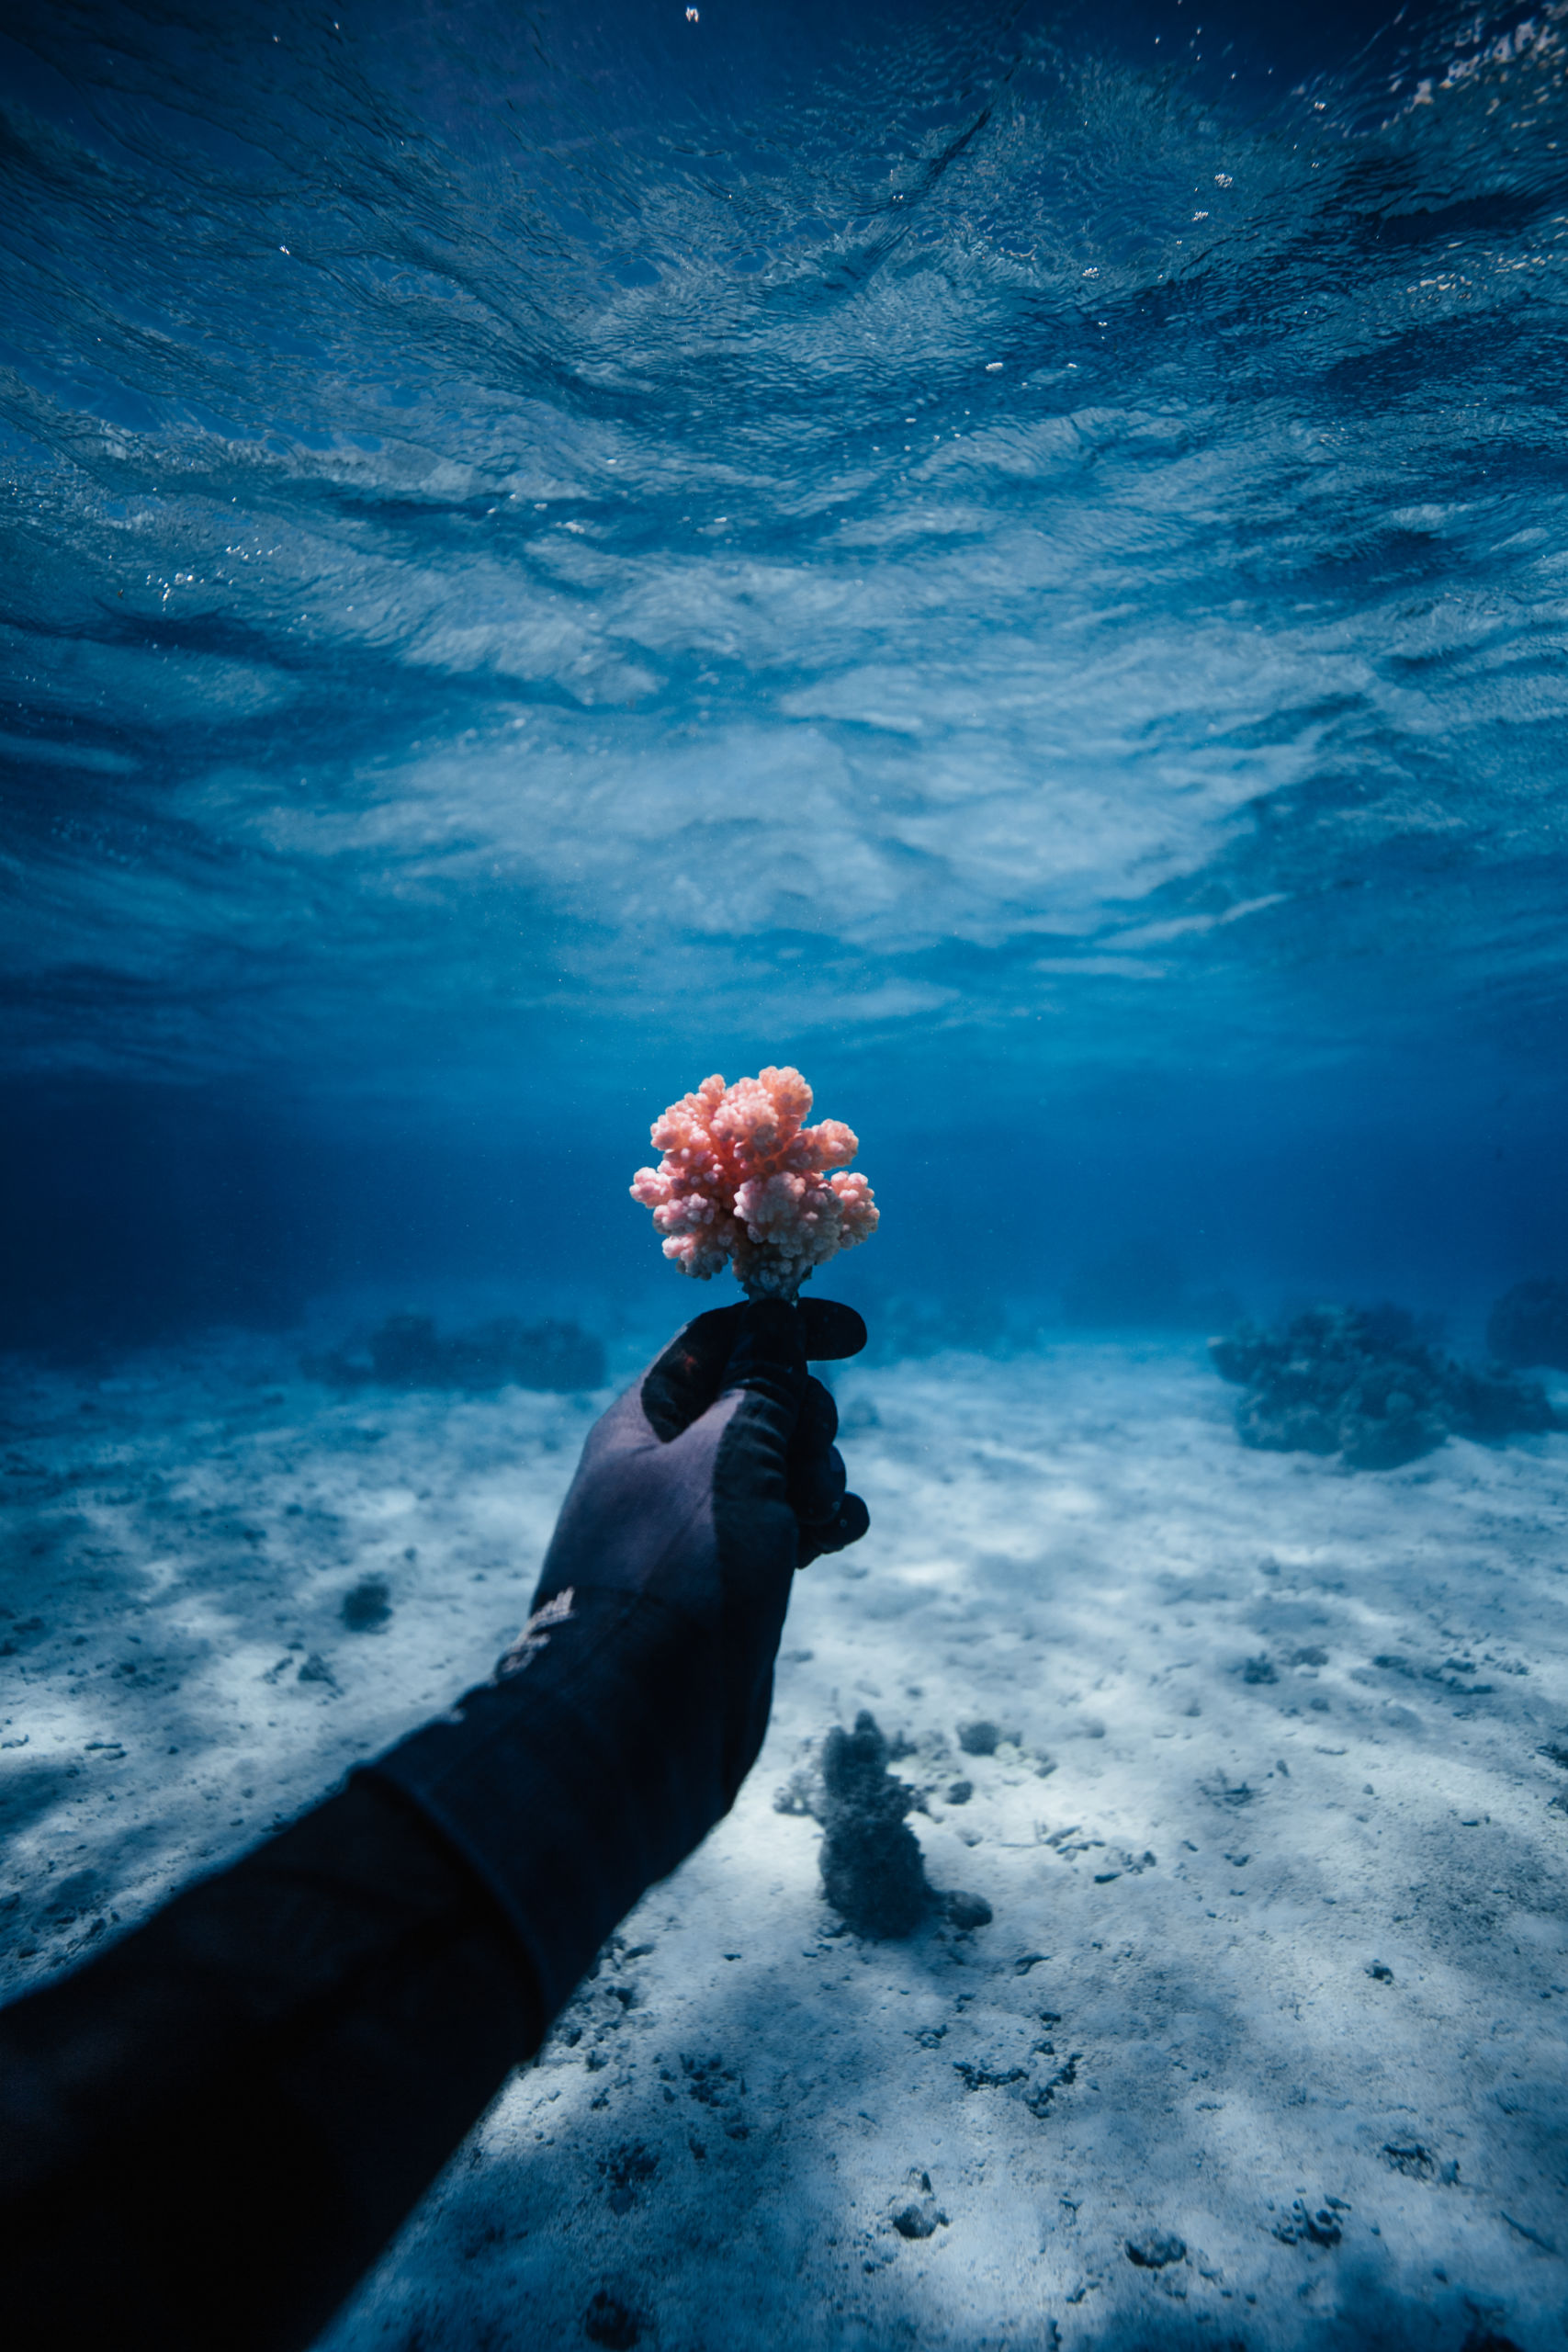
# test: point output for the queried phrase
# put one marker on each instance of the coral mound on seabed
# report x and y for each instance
(407, 1351)
(1361, 1382)
(1529, 1324)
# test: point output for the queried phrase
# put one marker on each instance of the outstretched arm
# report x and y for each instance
(209, 2133)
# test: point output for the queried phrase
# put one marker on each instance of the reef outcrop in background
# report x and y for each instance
(407, 1351)
(1529, 1324)
(1360, 1382)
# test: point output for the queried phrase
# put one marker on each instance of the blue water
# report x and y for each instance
(1016, 556)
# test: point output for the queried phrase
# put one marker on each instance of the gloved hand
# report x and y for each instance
(621, 1723)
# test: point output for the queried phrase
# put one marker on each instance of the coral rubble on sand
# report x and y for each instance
(407, 1351)
(1360, 1382)
(743, 1181)
(872, 1873)
(1529, 1324)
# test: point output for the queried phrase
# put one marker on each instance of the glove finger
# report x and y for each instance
(818, 1423)
(816, 1467)
(755, 1420)
(768, 1364)
(817, 1488)
(765, 1384)
(847, 1527)
(830, 1329)
(769, 1342)
(679, 1385)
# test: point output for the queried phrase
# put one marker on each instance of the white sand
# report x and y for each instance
(718, 2135)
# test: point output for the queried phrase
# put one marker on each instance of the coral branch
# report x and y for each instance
(743, 1181)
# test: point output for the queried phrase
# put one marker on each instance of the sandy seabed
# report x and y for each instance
(1265, 2045)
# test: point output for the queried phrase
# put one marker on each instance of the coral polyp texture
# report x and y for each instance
(744, 1181)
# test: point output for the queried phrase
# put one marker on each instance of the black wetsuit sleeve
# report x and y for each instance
(209, 2133)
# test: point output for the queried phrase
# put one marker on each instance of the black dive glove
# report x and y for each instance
(621, 1723)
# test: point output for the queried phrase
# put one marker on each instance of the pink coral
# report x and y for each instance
(741, 1180)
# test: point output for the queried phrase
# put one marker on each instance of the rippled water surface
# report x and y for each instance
(1014, 556)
